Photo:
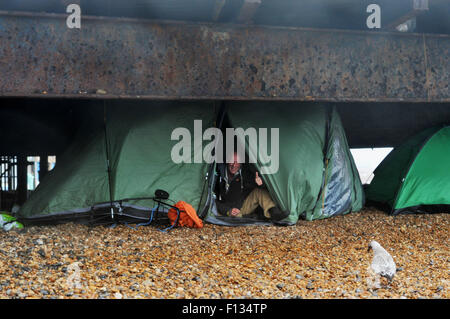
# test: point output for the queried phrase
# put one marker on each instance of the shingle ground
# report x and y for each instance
(319, 259)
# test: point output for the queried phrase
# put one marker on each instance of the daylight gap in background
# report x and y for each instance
(367, 160)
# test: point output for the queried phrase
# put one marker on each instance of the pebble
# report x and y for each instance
(41, 252)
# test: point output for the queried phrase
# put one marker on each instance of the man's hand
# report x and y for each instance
(258, 180)
(235, 211)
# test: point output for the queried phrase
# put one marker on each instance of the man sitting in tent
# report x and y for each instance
(240, 191)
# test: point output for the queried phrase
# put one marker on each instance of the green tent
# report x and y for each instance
(316, 178)
(136, 142)
(415, 177)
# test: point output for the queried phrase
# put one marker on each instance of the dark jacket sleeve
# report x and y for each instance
(249, 179)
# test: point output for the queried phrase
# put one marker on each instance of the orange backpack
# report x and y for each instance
(188, 216)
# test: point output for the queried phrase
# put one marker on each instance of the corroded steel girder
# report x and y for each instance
(131, 58)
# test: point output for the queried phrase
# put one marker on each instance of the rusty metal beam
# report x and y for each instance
(130, 58)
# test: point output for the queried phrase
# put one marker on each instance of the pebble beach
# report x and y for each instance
(313, 259)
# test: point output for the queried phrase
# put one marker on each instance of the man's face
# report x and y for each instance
(234, 167)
